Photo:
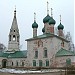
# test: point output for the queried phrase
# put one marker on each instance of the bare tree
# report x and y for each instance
(69, 38)
(2, 47)
(56, 30)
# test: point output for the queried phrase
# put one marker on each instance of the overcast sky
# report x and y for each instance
(25, 17)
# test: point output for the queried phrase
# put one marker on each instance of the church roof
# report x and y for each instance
(34, 25)
(3, 54)
(52, 21)
(46, 19)
(16, 54)
(46, 35)
(64, 52)
(60, 26)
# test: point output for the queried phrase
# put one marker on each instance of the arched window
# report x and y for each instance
(68, 61)
(45, 52)
(34, 62)
(36, 54)
(22, 63)
(40, 63)
(14, 38)
(47, 62)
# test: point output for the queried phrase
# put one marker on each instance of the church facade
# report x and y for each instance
(45, 50)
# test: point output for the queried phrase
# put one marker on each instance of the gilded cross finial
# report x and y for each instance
(34, 17)
(60, 18)
(51, 12)
(47, 8)
(15, 12)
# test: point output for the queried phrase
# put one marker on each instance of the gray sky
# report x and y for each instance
(25, 17)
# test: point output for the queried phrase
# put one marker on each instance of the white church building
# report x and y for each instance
(45, 50)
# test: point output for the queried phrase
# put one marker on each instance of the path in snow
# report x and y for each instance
(27, 71)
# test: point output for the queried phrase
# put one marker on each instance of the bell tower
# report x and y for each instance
(13, 42)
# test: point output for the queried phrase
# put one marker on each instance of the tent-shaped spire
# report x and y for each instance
(14, 23)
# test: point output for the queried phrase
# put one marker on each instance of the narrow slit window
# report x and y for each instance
(9, 37)
(17, 38)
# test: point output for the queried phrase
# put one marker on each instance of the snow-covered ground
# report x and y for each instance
(27, 71)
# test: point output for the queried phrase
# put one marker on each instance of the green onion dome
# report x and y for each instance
(34, 25)
(43, 29)
(46, 19)
(60, 26)
(52, 21)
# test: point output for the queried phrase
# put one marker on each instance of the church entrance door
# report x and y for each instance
(4, 61)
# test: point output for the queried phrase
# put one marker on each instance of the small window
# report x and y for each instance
(17, 63)
(22, 63)
(62, 44)
(14, 30)
(12, 63)
(10, 30)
